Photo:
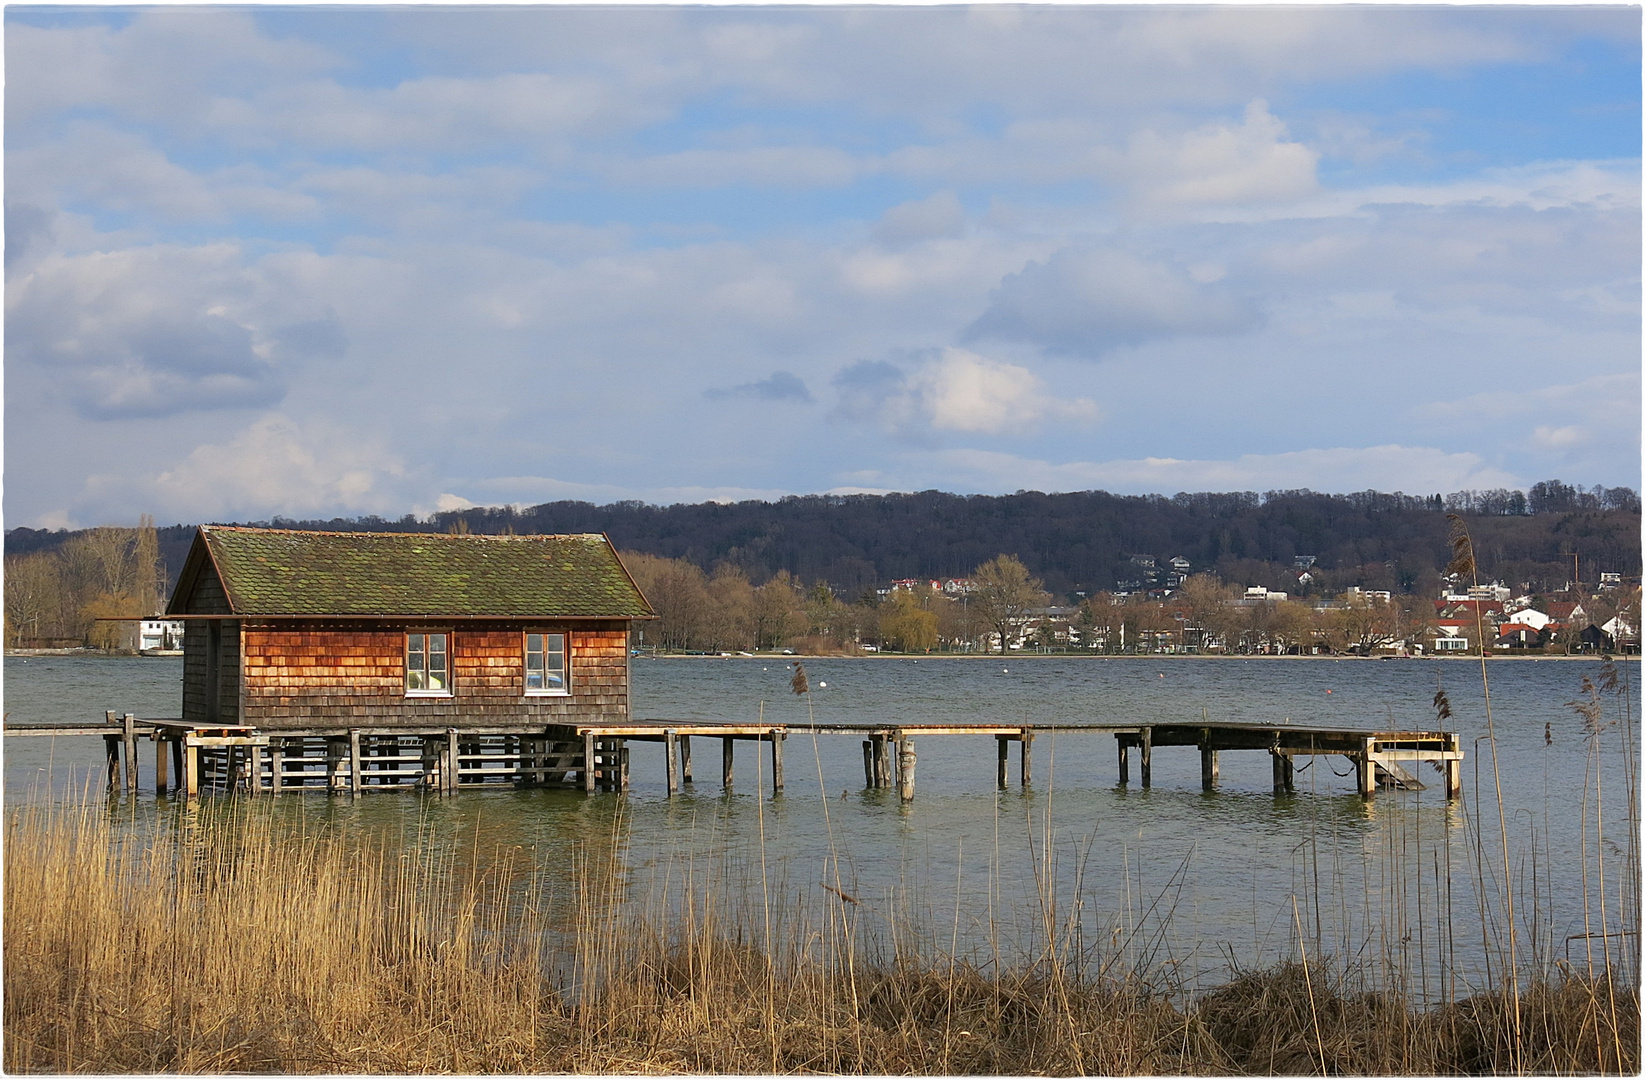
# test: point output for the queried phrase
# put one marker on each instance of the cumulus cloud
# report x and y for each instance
(1086, 301)
(953, 391)
(780, 386)
(1252, 162)
(278, 466)
(162, 330)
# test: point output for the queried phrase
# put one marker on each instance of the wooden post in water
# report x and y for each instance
(1027, 756)
(1147, 757)
(1281, 769)
(355, 765)
(1453, 768)
(1003, 751)
(685, 761)
(672, 765)
(191, 770)
(906, 762)
(276, 765)
(256, 769)
(111, 750)
(1367, 770)
(588, 763)
(177, 757)
(448, 770)
(867, 763)
(777, 739)
(1207, 760)
(728, 756)
(130, 739)
(883, 764)
(1125, 759)
(622, 764)
(162, 755)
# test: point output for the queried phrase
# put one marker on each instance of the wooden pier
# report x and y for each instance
(193, 758)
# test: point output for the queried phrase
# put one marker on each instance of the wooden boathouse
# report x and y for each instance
(327, 658)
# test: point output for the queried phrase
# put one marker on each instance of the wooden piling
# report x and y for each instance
(1453, 768)
(1282, 772)
(669, 744)
(777, 739)
(355, 765)
(1027, 756)
(1125, 759)
(1147, 757)
(448, 771)
(276, 766)
(728, 755)
(1207, 761)
(255, 769)
(177, 757)
(867, 763)
(588, 763)
(1003, 751)
(129, 723)
(191, 770)
(111, 749)
(162, 757)
(685, 761)
(883, 763)
(906, 761)
(1366, 769)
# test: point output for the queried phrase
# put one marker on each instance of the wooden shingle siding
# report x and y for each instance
(301, 674)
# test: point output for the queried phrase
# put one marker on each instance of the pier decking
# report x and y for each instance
(191, 758)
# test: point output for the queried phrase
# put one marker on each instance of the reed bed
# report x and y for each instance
(222, 939)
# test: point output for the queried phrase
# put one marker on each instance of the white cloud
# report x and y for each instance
(1220, 164)
(953, 391)
(938, 216)
(278, 466)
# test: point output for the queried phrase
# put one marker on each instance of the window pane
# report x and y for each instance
(554, 661)
(415, 681)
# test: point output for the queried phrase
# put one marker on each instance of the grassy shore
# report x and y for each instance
(222, 941)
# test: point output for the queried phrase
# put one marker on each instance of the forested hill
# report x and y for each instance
(1079, 541)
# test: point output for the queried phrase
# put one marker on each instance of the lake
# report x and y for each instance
(1182, 881)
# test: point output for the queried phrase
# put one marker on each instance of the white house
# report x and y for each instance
(160, 634)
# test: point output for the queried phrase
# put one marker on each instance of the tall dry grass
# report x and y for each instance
(224, 940)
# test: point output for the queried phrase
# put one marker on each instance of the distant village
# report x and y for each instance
(1167, 609)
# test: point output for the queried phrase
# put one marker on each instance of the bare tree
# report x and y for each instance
(1005, 594)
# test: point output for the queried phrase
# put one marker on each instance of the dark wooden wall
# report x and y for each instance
(207, 598)
(330, 674)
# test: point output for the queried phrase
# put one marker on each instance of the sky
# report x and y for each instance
(304, 261)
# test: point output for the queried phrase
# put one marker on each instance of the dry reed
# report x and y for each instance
(224, 939)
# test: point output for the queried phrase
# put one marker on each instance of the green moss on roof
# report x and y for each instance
(283, 572)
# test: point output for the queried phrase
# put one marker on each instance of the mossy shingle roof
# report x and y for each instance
(285, 572)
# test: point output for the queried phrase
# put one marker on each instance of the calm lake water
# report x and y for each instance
(1177, 879)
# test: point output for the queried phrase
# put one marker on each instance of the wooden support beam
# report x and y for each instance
(622, 764)
(162, 758)
(111, 749)
(867, 763)
(1002, 749)
(448, 770)
(355, 765)
(1453, 767)
(1125, 760)
(276, 765)
(1027, 756)
(1282, 772)
(588, 763)
(255, 769)
(1147, 756)
(906, 761)
(672, 764)
(177, 759)
(1366, 769)
(685, 761)
(884, 766)
(191, 771)
(129, 733)
(728, 753)
(777, 739)
(1207, 761)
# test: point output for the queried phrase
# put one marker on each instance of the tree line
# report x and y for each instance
(66, 595)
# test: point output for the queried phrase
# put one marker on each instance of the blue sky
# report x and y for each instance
(306, 261)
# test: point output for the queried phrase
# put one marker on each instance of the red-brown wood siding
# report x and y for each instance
(311, 674)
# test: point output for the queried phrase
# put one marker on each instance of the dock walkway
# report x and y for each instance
(595, 757)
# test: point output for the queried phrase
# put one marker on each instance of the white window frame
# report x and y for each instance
(445, 636)
(564, 690)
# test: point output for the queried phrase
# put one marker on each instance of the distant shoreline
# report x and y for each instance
(1098, 656)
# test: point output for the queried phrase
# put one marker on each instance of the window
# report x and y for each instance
(545, 671)
(428, 667)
